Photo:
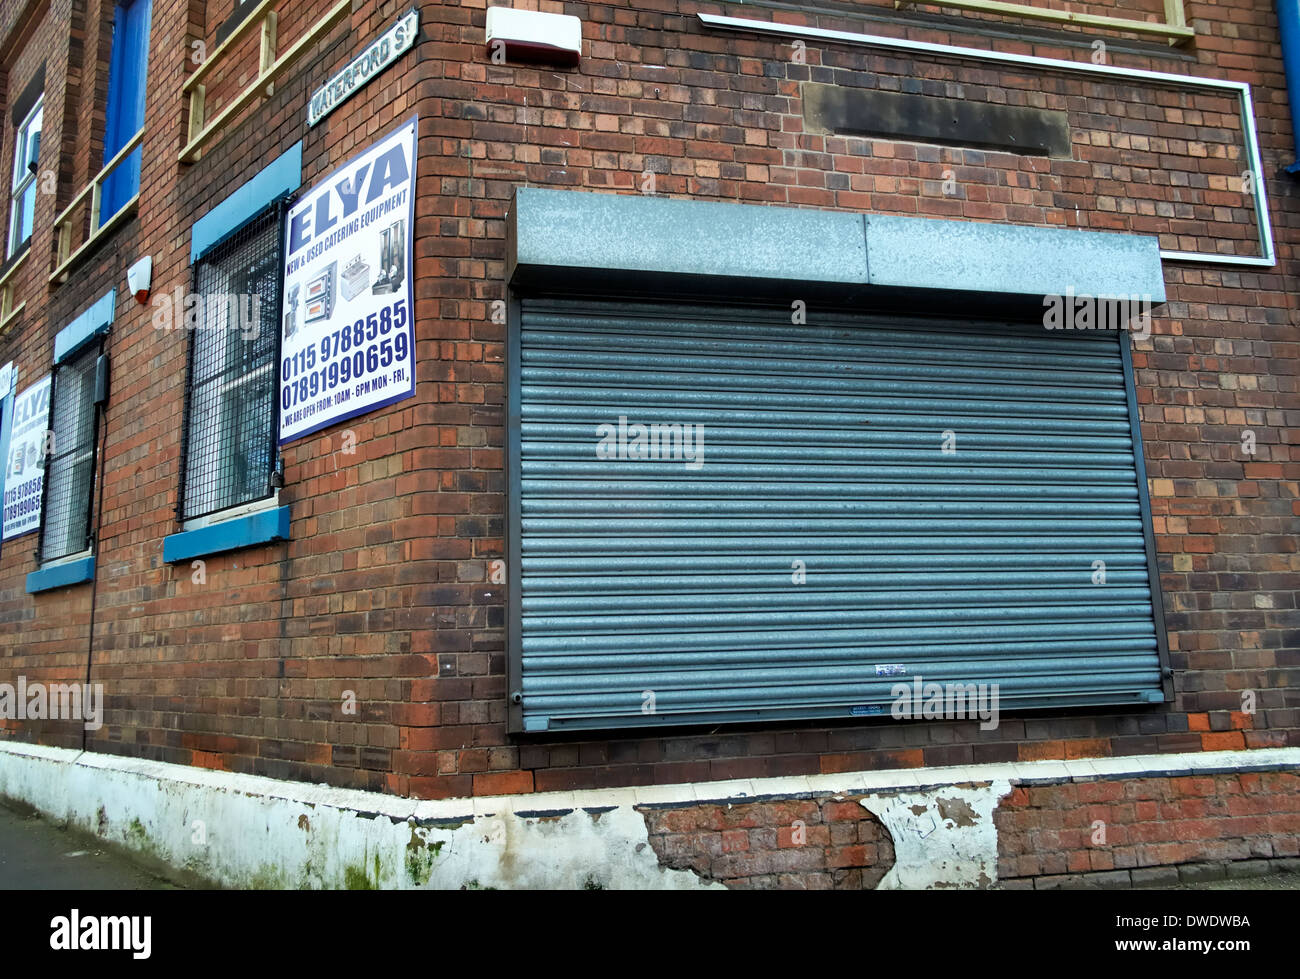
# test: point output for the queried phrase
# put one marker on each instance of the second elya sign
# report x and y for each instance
(347, 340)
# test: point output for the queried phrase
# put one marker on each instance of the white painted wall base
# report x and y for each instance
(942, 837)
(251, 831)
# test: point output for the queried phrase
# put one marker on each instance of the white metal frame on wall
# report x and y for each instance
(1250, 137)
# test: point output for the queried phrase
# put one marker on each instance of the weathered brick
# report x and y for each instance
(1195, 873)
(1155, 876)
(1238, 869)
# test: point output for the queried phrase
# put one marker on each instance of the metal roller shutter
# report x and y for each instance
(822, 444)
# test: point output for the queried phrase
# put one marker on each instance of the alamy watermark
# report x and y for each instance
(1071, 312)
(191, 311)
(54, 702)
(105, 932)
(945, 701)
(672, 442)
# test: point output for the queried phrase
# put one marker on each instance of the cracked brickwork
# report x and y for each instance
(828, 843)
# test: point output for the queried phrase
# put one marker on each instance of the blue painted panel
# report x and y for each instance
(229, 535)
(1288, 26)
(90, 324)
(127, 78)
(283, 175)
(61, 575)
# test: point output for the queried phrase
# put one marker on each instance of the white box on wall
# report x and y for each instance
(528, 35)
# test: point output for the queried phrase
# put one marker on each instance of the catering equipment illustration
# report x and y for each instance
(291, 317)
(392, 258)
(354, 279)
(26, 457)
(320, 295)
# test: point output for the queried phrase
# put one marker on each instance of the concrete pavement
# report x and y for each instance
(36, 855)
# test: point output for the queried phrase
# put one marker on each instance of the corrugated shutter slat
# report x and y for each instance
(823, 444)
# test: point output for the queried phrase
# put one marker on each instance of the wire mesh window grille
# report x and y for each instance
(230, 403)
(70, 458)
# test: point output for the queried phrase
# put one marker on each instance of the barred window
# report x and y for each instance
(230, 400)
(70, 462)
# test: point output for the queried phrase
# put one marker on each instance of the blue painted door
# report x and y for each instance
(127, 76)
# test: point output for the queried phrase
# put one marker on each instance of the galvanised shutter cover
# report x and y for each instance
(823, 546)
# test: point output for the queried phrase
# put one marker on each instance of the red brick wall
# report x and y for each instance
(383, 589)
(794, 844)
(1105, 833)
(1083, 827)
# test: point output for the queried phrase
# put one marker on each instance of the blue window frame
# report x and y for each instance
(128, 72)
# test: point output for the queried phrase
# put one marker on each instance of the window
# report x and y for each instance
(127, 74)
(70, 464)
(231, 418)
(27, 142)
(239, 14)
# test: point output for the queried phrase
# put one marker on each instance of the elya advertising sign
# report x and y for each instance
(24, 476)
(347, 336)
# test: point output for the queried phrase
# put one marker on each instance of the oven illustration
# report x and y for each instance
(320, 295)
(354, 278)
(291, 316)
(392, 258)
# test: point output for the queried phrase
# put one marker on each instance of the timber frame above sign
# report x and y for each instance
(377, 56)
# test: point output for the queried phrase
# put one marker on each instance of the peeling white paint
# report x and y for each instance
(943, 837)
(608, 850)
(246, 831)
